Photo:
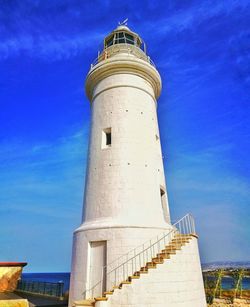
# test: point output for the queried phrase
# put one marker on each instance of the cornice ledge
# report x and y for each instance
(116, 66)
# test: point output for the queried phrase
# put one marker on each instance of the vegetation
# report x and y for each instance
(227, 283)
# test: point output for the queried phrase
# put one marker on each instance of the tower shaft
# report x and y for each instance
(125, 181)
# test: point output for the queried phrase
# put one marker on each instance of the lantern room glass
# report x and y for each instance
(121, 38)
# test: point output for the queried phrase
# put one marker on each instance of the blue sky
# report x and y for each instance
(201, 49)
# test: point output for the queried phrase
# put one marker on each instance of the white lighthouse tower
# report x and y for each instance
(126, 230)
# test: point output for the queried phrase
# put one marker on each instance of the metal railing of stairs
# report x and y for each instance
(135, 260)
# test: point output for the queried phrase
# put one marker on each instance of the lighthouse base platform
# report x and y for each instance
(120, 242)
(172, 280)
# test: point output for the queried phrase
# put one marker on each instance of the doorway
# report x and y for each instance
(97, 268)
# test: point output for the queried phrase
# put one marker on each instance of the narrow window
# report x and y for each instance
(106, 138)
(164, 204)
(163, 201)
(162, 194)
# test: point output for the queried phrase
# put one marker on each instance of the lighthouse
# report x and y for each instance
(126, 230)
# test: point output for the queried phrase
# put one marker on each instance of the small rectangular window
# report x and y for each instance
(106, 138)
(164, 204)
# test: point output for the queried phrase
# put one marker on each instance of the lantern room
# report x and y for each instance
(123, 35)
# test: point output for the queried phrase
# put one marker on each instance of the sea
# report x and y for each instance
(227, 282)
(49, 277)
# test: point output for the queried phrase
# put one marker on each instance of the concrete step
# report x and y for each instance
(163, 255)
(158, 260)
(179, 245)
(151, 265)
(101, 298)
(84, 303)
(182, 236)
(108, 292)
(125, 282)
(180, 240)
(133, 277)
(168, 252)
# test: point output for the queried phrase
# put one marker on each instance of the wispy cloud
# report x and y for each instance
(35, 29)
(203, 184)
(41, 196)
(48, 47)
(47, 175)
(194, 15)
(199, 172)
(38, 37)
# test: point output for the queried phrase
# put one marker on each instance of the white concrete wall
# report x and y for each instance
(120, 241)
(123, 181)
(176, 283)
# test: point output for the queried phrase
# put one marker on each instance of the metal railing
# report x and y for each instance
(122, 48)
(113, 274)
(42, 288)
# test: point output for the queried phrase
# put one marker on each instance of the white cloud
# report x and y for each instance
(48, 47)
(192, 17)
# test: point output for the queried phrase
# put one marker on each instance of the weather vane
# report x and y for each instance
(123, 23)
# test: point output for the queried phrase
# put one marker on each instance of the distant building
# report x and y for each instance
(126, 251)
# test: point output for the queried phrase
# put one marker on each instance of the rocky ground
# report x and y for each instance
(227, 303)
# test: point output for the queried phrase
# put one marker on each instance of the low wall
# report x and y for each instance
(10, 273)
(14, 303)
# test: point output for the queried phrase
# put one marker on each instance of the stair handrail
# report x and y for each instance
(184, 226)
(141, 245)
(157, 240)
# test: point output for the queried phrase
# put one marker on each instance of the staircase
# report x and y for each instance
(151, 255)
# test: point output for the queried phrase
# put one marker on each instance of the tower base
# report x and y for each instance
(119, 244)
(175, 282)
